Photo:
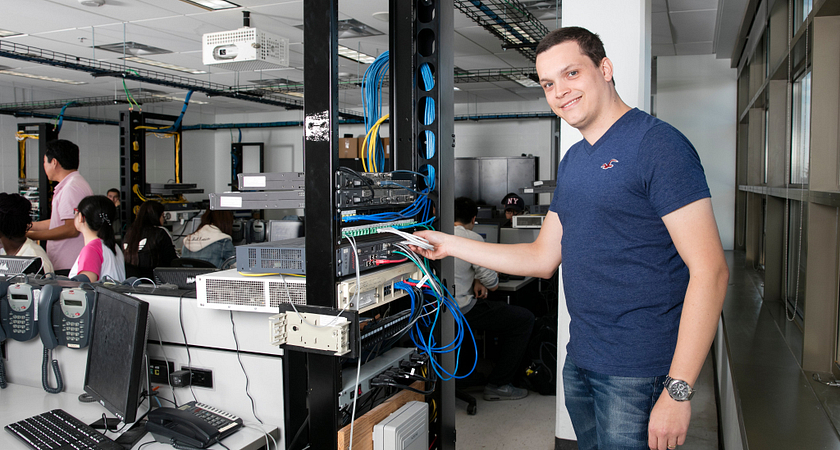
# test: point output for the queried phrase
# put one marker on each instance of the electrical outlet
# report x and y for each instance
(200, 377)
(159, 371)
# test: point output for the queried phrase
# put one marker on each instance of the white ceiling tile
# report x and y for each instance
(694, 48)
(662, 50)
(691, 5)
(693, 26)
(661, 28)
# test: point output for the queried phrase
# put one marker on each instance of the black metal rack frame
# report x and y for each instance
(420, 33)
(133, 157)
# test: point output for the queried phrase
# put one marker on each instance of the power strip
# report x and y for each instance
(376, 288)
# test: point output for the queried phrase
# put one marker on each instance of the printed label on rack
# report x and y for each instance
(253, 181)
(230, 202)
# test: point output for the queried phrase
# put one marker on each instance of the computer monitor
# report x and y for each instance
(489, 231)
(115, 372)
(13, 265)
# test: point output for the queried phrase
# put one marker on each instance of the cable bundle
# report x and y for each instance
(422, 205)
(429, 112)
(372, 95)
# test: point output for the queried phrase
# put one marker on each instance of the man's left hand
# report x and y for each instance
(668, 423)
(480, 290)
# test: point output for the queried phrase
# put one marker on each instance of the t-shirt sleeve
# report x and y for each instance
(90, 259)
(671, 170)
(70, 201)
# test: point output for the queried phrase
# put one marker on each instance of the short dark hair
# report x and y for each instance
(465, 210)
(590, 43)
(113, 190)
(15, 220)
(66, 152)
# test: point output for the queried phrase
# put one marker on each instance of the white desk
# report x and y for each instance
(18, 402)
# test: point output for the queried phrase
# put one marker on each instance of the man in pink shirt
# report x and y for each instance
(61, 164)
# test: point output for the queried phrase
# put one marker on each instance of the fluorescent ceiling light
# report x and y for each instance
(132, 48)
(212, 5)
(8, 33)
(355, 55)
(151, 62)
(525, 81)
(40, 77)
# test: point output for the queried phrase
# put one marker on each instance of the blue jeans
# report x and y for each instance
(609, 412)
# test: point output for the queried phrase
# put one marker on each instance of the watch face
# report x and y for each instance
(679, 390)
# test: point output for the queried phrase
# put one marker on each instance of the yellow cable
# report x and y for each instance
(22, 150)
(371, 143)
(136, 190)
(178, 157)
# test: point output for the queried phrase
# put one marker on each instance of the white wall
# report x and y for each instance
(697, 95)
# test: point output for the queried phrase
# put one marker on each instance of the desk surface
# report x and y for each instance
(515, 285)
(18, 402)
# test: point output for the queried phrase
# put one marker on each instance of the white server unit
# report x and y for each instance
(245, 49)
(528, 221)
(229, 290)
(405, 429)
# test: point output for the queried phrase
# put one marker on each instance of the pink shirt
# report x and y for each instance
(66, 197)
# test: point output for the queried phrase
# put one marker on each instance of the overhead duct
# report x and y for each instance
(509, 20)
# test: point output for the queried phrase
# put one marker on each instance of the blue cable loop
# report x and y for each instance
(372, 89)
(61, 116)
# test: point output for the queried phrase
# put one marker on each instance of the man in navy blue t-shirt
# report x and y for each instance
(643, 267)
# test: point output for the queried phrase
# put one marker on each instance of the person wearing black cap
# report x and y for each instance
(514, 206)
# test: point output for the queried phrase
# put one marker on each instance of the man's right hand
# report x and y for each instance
(435, 238)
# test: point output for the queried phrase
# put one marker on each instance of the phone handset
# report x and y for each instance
(193, 424)
(17, 312)
(49, 294)
(65, 316)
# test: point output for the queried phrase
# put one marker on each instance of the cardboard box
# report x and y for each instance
(348, 148)
(386, 142)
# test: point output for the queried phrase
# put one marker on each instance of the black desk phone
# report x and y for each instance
(65, 316)
(192, 424)
(17, 312)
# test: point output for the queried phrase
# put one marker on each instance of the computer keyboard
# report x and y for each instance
(58, 430)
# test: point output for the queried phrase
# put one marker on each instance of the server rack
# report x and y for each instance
(421, 31)
(46, 132)
(133, 158)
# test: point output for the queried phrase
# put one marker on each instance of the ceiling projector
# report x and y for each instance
(245, 49)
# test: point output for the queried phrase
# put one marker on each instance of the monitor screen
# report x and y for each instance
(13, 265)
(489, 231)
(115, 372)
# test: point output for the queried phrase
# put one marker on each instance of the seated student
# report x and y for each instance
(15, 221)
(511, 324)
(514, 206)
(147, 244)
(100, 257)
(211, 241)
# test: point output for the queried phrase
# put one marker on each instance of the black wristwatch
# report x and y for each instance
(679, 390)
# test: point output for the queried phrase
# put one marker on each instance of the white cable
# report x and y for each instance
(165, 359)
(267, 435)
(144, 278)
(410, 238)
(355, 397)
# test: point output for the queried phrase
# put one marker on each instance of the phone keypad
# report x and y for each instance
(21, 323)
(75, 330)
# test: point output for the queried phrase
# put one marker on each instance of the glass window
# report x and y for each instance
(802, 9)
(797, 256)
(801, 130)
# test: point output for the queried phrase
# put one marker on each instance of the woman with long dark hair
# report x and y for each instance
(147, 244)
(211, 241)
(100, 257)
(15, 221)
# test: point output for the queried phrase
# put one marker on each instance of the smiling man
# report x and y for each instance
(644, 274)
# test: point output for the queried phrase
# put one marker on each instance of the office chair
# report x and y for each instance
(192, 263)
